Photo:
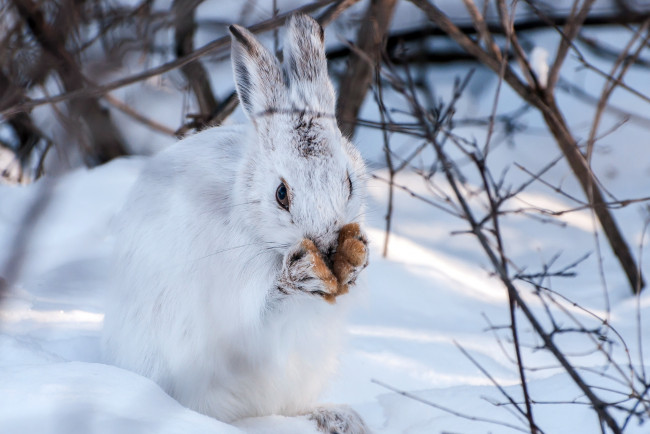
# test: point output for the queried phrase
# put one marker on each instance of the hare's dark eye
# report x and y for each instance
(282, 196)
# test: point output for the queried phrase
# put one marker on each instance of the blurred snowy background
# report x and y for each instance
(431, 347)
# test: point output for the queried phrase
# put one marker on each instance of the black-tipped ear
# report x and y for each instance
(258, 75)
(237, 33)
(306, 64)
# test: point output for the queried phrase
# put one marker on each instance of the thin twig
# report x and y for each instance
(533, 427)
(379, 98)
(568, 34)
(557, 125)
(194, 72)
(599, 406)
(610, 86)
(126, 109)
(333, 12)
(218, 46)
(359, 74)
(446, 409)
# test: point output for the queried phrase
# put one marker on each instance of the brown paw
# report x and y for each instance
(351, 256)
(321, 270)
(307, 270)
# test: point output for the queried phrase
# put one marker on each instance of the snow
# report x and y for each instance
(431, 296)
(539, 64)
(78, 397)
(422, 302)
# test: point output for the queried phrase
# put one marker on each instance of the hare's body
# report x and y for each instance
(211, 338)
(236, 241)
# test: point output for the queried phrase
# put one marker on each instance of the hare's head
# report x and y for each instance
(304, 179)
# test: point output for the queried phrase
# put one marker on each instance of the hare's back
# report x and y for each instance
(204, 158)
(197, 171)
(182, 195)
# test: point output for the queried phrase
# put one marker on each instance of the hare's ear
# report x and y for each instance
(258, 74)
(306, 65)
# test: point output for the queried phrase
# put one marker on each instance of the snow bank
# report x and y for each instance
(421, 303)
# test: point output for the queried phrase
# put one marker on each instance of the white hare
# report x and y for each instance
(235, 243)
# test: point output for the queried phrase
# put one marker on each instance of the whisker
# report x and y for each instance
(235, 205)
(232, 248)
(366, 213)
(278, 247)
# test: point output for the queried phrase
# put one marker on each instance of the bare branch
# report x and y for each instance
(528, 413)
(446, 409)
(508, 24)
(333, 12)
(570, 31)
(126, 109)
(218, 46)
(105, 141)
(194, 72)
(482, 29)
(624, 60)
(559, 129)
(359, 74)
(599, 406)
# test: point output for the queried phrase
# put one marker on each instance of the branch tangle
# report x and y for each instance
(104, 141)
(544, 101)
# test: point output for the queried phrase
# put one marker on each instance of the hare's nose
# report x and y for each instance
(326, 244)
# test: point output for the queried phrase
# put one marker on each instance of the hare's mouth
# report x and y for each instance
(328, 257)
(326, 252)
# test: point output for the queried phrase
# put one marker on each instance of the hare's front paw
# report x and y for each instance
(351, 256)
(339, 419)
(305, 270)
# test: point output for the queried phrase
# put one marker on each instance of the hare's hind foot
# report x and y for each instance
(338, 419)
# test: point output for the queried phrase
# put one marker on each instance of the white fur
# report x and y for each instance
(202, 245)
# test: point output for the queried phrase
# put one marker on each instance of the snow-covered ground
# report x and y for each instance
(420, 304)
